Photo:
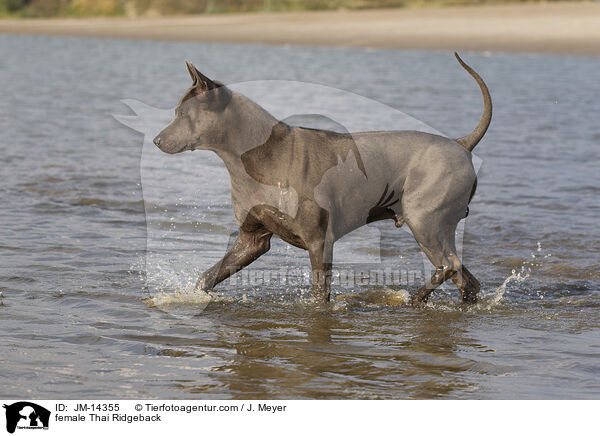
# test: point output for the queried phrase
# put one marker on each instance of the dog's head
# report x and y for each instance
(200, 121)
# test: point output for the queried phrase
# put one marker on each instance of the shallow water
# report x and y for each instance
(95, 276)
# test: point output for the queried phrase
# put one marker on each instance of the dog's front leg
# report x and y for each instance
(248, 247)
(321, 255)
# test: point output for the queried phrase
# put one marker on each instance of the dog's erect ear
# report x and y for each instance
(218, 93)
(200, 80)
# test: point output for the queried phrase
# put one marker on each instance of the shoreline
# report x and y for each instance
(555, 28)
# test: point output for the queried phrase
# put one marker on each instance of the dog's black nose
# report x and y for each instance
(157, 140)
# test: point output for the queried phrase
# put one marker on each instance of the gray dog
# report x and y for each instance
(310, 187)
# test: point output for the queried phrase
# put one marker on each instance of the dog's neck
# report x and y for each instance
(249, 126)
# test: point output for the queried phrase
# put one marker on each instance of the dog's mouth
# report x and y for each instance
(185, 148)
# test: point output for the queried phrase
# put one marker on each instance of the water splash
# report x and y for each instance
(501, 290)
(170, 290)
(375, 298)
(175, 290)
(527, 267)
(165, 300)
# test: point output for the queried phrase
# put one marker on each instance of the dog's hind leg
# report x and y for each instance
(248, 247)
(440, 276)
(467, 284)
(441, 250)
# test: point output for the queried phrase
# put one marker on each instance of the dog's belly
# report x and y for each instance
(354, 199)
(350, 215)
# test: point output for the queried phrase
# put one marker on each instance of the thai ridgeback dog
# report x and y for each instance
(310, 187)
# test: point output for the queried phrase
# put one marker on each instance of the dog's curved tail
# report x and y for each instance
(469, 142)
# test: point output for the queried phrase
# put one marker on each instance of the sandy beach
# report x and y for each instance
(566, 28)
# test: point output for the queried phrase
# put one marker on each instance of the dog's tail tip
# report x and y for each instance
(469, 142)
(459, 59)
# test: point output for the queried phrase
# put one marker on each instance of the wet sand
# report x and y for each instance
(567, 28)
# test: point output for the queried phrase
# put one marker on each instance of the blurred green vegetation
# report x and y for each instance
(85, 8)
